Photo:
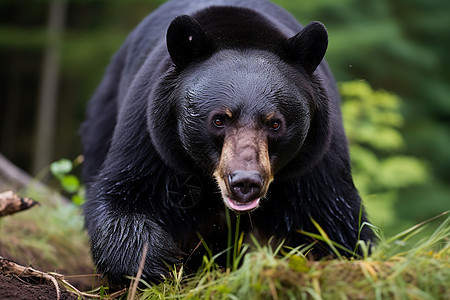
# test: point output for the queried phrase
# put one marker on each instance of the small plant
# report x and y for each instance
(70, 183)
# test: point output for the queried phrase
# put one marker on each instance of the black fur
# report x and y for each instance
(150, 150)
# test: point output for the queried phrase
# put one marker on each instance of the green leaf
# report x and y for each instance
(299, 264)
(80, 197)
(70, 183)
(77, 200)
(61, 167)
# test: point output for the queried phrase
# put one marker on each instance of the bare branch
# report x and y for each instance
(10, 203)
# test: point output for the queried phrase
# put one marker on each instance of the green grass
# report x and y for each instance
(411, 265)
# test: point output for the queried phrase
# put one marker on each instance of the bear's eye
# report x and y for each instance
(275, 125)
(218, 122)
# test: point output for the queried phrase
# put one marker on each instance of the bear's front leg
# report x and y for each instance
(118, 239)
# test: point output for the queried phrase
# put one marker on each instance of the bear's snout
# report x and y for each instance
(244, 171)
(245, 185)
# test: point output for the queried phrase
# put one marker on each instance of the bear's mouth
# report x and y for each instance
(239, 206)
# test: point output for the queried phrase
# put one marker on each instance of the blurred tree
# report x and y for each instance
(49, 87)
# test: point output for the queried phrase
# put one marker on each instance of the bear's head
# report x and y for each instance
(245, 112)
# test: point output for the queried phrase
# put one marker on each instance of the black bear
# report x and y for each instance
(212, 105)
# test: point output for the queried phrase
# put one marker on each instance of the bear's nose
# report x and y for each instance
(245, 185)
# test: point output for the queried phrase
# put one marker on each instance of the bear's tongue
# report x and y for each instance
(241, 206)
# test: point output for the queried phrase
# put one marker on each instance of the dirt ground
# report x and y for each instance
(13, 287)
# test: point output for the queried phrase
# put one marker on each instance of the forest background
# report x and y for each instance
(391, 58)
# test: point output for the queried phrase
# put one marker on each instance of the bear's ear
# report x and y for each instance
(308, 47)
(186, 41)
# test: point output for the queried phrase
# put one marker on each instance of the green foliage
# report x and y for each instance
(371, 117)
(373, 121)
(70, 183)
(381, 169)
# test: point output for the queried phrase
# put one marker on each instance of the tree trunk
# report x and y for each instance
(49, 87)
